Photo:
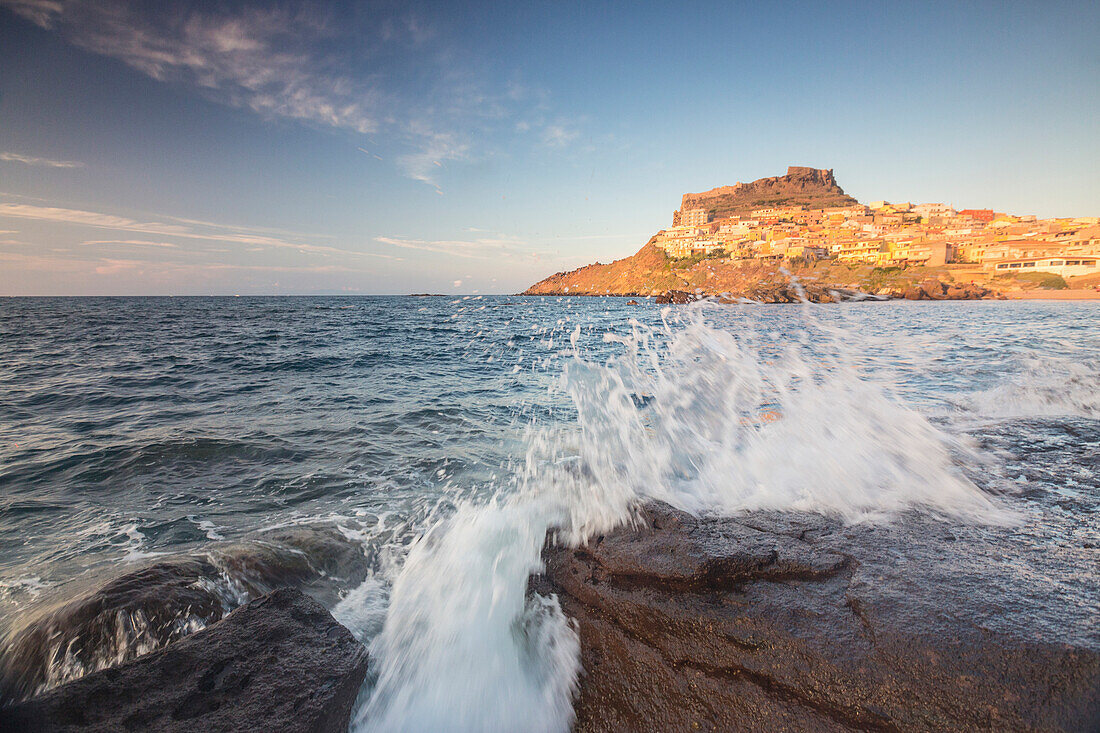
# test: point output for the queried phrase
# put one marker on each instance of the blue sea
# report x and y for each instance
(402, 458)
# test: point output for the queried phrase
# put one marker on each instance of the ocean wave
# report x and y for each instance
(1046, 387)
(689, 414)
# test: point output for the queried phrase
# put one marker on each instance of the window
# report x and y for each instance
(1029, 264)
(1056, 263)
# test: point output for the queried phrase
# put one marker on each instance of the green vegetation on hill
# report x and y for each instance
(1041, 280)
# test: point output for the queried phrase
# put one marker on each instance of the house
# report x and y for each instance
(694, 217)
(1064, 266)
(983, 215)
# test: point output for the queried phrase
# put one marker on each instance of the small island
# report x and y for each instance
(746, 241)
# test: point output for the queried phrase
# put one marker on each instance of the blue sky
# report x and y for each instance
(296, 147)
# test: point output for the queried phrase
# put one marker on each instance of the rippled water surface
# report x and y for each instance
(440, 438)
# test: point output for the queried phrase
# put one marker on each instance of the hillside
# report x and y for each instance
(811, 187)
(649, 270)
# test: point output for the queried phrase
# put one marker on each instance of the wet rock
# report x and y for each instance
(148, 608)
(317, 558)
(676, 297)
(280, 663)
(794, 622)
(632, 302)
(131, 615)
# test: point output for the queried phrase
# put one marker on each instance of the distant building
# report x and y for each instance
(859, 251)
(922, 254)
(1064, 266)
(694, 217)
(983, 215)
(930, 210)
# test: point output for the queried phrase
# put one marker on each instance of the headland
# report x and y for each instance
(745, 241)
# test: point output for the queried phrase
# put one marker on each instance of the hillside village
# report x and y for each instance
(888, 234)
(746, 240)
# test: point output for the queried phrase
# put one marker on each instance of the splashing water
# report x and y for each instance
(702, 418)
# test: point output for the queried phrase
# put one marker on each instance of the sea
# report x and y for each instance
(403, 458)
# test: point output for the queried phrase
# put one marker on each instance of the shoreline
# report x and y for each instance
(1073, 295)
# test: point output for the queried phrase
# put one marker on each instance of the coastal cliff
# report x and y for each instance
(809, 187)
(650, 272)
(738, 241)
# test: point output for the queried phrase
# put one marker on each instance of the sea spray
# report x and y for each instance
(463, 646)
(704, 418)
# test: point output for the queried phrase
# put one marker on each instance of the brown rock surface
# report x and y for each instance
(795, 623)
(644, 273)
(812, 187)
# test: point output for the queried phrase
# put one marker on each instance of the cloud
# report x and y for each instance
(558, 136)
(424, 164)
(485, 248)
(194, 230)
(137, 242)
(46, 162)
(42, 13)
(383, 70)
(267, 59)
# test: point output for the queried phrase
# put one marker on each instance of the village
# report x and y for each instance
(887, 234)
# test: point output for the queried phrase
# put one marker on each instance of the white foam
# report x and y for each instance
(728, 424)
(1040, 388)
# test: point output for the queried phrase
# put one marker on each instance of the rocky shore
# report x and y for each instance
(768, 621)
(790, 291)
(279, 663)
(794, 622)
(161, 647)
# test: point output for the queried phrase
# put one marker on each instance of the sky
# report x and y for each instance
(393, 147)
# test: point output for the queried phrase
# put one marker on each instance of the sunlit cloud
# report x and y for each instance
(213, 233)
(42, 162)
(135, 242)
(485, 248)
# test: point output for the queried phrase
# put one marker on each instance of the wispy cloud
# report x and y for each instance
(482, 248)
(424, 164)
(558, 135)
(200, 231)
(135, 242)
(42, 13)
(261, 58)
(382, 70)
(45, 162)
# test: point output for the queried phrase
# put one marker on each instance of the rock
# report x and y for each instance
(794, 622)
(933, 289)
(148, 608)
(676, 297)
(131, 615)
(280, 663)
(632, 302)
(811, 187)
